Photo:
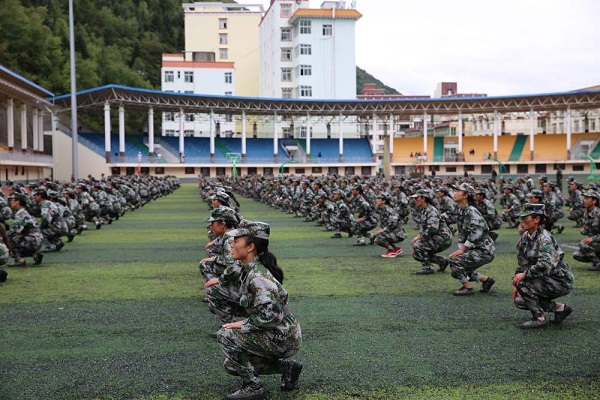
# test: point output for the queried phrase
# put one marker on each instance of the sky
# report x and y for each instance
(508, 47)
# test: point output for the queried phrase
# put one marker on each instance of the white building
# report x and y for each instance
(193, 77)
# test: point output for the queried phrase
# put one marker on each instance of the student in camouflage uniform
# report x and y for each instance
(434, 234)
(263, 343)
(553, 205)
(341, 219)
(576, 207)
(589, 248)
(390, 229)
(5, 211)
(475, 247)
(89, 207)
(220, 221)
(366, 219)
(52, 224)
(511, 206)
(542, 276)
(448, 209)
(5, 250)
(488, 211)
(24, 233)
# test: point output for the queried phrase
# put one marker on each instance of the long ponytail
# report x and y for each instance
(267, 258)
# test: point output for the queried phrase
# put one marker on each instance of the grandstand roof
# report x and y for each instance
(194, 103)
(15, 86)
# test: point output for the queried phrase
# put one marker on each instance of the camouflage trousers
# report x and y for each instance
(510, 216)
(538, 294)
(52, 234)
(464, 266)
(224, 302)
(360, 228)
(389, 239)
(341, 225)
(4, 254)
(576, 214)
(588, 253)
(26, 245)
(211, 269)
(425, 251)
(249, 355)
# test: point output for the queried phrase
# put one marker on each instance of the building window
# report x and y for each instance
(305, 49)
(302, 132)
(189, 117)
(305, 91)
(305, 70)
(169, 116)
(228, 118)
(327, 30)
(286, 74)
(188, 76)
(228, 93)
(286, 54)
(286, 34)
(223, 54)
(305, 28)
(228, 77)
(286, 10)
(286, 93)
(222, 38)
(188, 133)
(170, 132)
(169, 76)
(222, 23)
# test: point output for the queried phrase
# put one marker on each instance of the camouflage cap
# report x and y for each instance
(530, 208)
(221, 196)
(422, 193)
(536, 193)
(464, 187)
(221, 214)
(384, 196)
(481, 192)
(591, 193)
(257, 229)
(19, 197)
(340, 192)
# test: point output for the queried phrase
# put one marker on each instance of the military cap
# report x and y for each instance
(221, 214)
(257, 229)
(384, 196)
(339, 191)
(536, 193)
(530, 208)
(464, 187)
(481, 192)
(221, 196)
(19, 197)
(509, 186)
(442, 189)
(422, 193)
(41, 192)
(591, 193)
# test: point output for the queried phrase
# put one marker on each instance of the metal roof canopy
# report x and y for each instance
(137, 98)
(14, 86)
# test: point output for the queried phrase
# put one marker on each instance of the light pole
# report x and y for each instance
(74, 133)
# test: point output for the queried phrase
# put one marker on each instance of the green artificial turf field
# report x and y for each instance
(117, 314)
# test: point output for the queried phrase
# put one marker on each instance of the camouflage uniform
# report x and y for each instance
(393, 231)
(576, 209)
(434, 237)
(590, 227)
(553, 205)
(473, 233)
(341, 218)
(52, 225)
(25, 234)
(547, 276)
(511, 206)
(366, 220)
(489, 212)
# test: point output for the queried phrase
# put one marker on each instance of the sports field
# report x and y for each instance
(117, 314)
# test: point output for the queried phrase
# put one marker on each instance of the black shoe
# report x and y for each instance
(425, 271)
(443, 265)
(70, 237)
(3, 275)
(560, 229)
(59, 246)
(464, 291)
(594, 268)
(248, 392)
(559, 316)
(494, 236)
(98, 224)
(37, 258)
(336, 236)
(487, 285)
(359, 244)
(18, 263)
(534, 324)
(290, 375)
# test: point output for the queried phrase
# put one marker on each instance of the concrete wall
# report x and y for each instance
(90, 163)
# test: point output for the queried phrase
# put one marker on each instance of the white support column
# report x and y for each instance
(243, 135)
(34, 126)
(531, 134)
(425, 135)
(41, 131)
(374, 133)
(107, 131)
(151, 131)
(308, 134)
(10, 123)
(496, 123)
(54, 123)
(460, 132)
(341, 139)
(275, 138)
(181, 134)
(24, 127)
(391, 134)
(212, 133)
(569, 133)
(121, 130)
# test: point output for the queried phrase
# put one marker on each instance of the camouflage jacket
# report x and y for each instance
(431, 224)
(362, 207)
(23, 224)
(473, 230)
(540, 255)
(264, 299)
(591, 224)
(224, 258)
(389, 219)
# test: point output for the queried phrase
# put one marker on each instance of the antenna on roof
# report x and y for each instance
(353, 5)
